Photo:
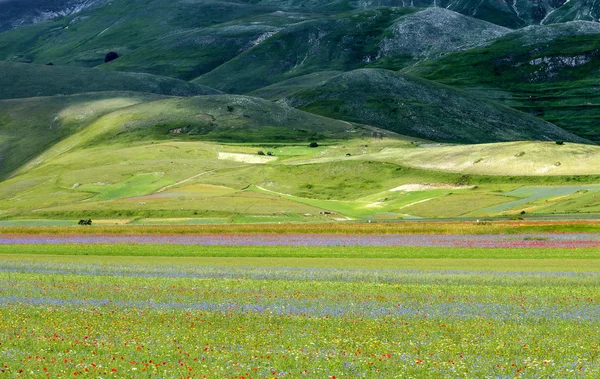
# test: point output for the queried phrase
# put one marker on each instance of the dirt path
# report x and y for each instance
(184, 181)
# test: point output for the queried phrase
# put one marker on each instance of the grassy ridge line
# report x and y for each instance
(125, 250)
(497, 227)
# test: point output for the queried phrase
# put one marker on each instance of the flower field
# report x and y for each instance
(171, 321)
(538, 240)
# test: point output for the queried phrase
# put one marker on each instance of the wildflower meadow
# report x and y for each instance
(97, 320)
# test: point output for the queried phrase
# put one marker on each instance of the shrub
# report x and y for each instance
(110, 57)
(313, 144)
(260, 152)
(559, 142)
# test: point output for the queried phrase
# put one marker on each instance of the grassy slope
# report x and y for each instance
(189, 53)
(19, 80)
(225, 118)
(340, 42)
(291, 86)
(385, 37)
(419, 108)
(515, 158)
(122, 26)
(550, 72)
(30, 126)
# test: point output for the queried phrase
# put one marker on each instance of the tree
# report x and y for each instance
(110, 57)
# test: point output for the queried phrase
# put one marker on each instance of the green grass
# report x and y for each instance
(224, 118)
(289, 87)
(119, 250)
(20, 80)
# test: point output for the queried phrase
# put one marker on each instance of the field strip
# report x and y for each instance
(287, 252)
(184, 181)
(491, 265)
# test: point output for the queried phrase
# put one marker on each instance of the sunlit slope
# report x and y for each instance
(420, 108)
(227, 118)
(19, 80)
(514, 158)
(376, 179)
(121, 181)
(551, 72)
(30, 126)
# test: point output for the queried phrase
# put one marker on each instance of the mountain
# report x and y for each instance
(586, 10)
(120, 26)
(335, 43)
(509, 13)
(549, 71)
(16, 13)
(436, 31)
(419, 108)
(387, 38)
(30, 80)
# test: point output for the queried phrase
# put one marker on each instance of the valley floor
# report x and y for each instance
(364, 180)
(138, 311)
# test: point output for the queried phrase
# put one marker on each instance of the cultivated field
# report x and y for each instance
(273, 302)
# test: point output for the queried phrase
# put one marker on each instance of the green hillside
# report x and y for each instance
(30, 126)
(341, 42)
(189, 54)
(227, 118)
(510, 159)
(20, 80)
(121, 26)
(289, 87)
(586, 10)
(418, 108)
(548, 71)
